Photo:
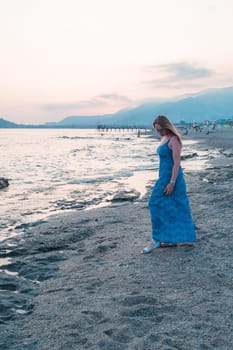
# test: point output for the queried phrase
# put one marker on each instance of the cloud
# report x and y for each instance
(98, 101)
(185, 71)
(172, 75)
(115, 97)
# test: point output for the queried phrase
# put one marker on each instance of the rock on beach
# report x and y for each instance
(3, 182)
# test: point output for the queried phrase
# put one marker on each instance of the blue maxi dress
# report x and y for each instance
(170, 215)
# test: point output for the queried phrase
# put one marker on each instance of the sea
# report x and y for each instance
(52, 171)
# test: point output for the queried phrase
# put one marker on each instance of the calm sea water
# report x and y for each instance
(53, 171)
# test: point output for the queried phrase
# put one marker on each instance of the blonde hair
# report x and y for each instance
(165, 123)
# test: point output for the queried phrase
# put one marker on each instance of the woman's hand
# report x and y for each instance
(169, 189)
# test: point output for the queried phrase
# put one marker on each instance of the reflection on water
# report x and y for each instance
(4, 261)
(54, 171)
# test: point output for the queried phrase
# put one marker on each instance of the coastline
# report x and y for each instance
(51, 185)
(85, 284)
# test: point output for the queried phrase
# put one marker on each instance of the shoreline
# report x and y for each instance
(128, 189)
(85, 284)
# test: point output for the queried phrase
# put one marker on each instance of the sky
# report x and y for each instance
(89, 57)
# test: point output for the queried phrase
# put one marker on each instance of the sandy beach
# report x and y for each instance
(82, 282)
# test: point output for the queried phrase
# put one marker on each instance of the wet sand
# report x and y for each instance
(78, 281)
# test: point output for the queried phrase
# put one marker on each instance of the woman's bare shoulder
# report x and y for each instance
(174, 142)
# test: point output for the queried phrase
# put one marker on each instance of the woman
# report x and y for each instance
(169, 206)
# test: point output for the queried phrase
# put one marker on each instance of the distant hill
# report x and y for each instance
(212, 104)
(208, 105)
(6, 124)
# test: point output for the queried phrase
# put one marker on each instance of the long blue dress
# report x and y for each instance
(170, 215)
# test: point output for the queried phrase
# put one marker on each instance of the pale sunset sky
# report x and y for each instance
(89, 57)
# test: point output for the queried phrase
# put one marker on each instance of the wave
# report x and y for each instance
(98, 137)
(104, 178)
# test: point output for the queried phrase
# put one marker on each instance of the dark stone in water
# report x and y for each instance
(188, 156)
(125, 196)
(4, 182)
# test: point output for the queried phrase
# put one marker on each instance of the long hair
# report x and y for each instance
(165, 123)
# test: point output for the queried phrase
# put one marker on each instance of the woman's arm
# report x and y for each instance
(176, 151)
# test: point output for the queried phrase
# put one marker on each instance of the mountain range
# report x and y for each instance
(212, 104)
